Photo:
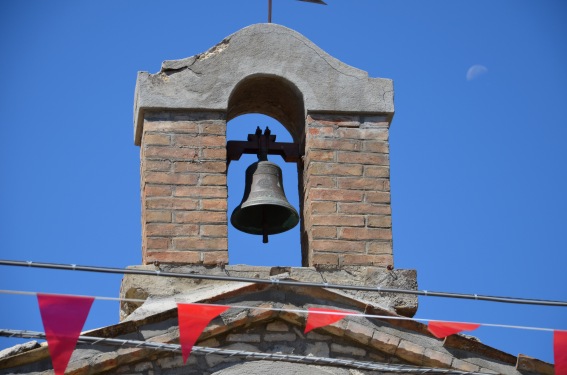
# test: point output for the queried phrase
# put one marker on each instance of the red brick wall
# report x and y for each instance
(346, 190)
(184, 190)
(347, 214)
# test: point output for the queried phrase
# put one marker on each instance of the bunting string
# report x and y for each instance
(176, 348)
(277, 281)
(63, 317)
(296, 311)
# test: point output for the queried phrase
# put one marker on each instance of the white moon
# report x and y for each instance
(476, 71)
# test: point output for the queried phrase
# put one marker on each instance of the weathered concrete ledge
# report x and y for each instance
(143, 287)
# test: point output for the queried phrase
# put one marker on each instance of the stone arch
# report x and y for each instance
(272, 96)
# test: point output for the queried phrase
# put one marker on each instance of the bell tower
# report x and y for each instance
(339, 121)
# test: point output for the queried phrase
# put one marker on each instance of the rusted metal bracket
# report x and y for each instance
(262, 145)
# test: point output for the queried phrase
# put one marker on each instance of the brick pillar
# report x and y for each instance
(346, 176)
(184, 190)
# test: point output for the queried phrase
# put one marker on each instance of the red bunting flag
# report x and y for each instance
(63, 319)
(322, 317)
(560, 352)
(444, 329)
(193, 318)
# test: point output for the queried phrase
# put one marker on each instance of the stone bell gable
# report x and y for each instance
(337, 116)
(339, 120)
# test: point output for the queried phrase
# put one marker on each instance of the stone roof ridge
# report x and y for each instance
(408, 339)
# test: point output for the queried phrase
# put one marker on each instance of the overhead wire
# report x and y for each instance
(176, 348)
(278, 281)
(288, 310)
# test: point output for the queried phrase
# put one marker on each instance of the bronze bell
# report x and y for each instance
(264, 208)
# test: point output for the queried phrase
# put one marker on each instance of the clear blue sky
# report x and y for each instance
(478, 163)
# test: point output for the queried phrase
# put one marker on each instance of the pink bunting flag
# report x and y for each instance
(560, 352)
(63, 319)
(444, 329)
(322, 317)
(193, 318)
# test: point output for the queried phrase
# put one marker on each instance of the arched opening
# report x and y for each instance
(283, 249)
(271, 96)
(266, 100)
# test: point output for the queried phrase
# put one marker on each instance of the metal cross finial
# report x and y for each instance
(321, 2)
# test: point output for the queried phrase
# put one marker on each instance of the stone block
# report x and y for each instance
(364, 208)
(215, 257)
(158, 190)
(458, 364)
(214, 230)
(197, 243)
(533, 365)
(375, 146)
(410, 352)
(171, 257)
(359, 332)
(243, 337)
(156, 165)
(320, 155)
(376, 171)
(363, 183)
(334, 144)
(271, 337)
(200, 191)
(324, 259)
(171, 203)
(338, 246)
(433, 358)
(323, 207)
(317, 349)
(362, 234)
(277, 326)
(324, 232)
(335, 195)
(200, 217)
(156, 139)
(377, 197)
(348, 350)
(334, 169)
(363, 158)
(214, 205)
(338, 220)
(213, 180)
(167, 178)
(364, 259)
(320, 182)
(382, 221)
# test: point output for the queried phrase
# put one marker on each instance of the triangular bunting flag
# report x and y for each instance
(63, 319)
(322, 317)
(193, 318)
(560, 352)
(444, 329)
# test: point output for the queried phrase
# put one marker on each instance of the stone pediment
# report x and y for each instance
(207, 80)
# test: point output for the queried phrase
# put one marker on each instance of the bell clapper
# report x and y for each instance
(264, 226)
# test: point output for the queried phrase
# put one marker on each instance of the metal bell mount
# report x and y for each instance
(264, 209)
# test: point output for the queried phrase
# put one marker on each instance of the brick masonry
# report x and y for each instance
(346, 190)
(184, 189)
(346, 178)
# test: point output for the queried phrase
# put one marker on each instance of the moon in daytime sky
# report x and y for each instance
(476, 71)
